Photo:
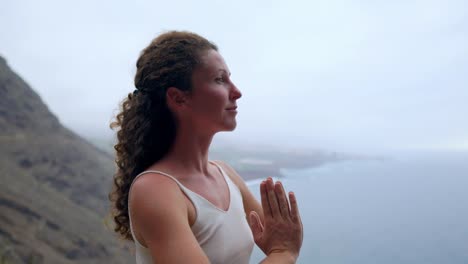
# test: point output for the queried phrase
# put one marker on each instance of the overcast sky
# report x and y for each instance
(339, 75)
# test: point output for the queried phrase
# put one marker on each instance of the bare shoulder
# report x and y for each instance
(149, 198)
(160, 215)
(153, 185)
(233, 175)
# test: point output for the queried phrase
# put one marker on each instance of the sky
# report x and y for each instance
(336, 75)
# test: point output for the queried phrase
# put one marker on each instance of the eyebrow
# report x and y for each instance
(223, 70)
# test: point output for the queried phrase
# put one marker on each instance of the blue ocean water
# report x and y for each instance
(410, 208)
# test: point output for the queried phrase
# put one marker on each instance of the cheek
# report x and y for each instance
(209, 101)
(214, 102)
(208, 107)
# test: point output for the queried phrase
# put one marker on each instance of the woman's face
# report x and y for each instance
(212, 101)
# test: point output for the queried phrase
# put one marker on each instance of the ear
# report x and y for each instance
(175, 98)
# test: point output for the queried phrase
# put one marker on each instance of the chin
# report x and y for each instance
(230, 127)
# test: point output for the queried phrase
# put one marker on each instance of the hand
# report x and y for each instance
(282, 230)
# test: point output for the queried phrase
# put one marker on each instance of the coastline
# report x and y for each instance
(254, 170)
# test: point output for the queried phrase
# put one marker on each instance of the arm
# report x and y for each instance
(161, 225)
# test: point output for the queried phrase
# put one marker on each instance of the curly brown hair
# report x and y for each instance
(145, 126)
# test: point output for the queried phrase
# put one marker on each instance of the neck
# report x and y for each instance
(190, 151)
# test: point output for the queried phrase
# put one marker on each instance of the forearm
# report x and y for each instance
(279, 258)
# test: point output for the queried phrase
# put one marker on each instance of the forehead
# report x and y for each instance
(211, 63)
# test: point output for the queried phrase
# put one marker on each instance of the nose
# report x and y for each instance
(235, 93)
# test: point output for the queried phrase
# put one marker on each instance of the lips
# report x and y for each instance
(232, 108)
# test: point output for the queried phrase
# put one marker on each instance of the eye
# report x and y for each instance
(220, 80)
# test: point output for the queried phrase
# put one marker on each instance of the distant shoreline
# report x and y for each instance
(254, 171)
(259, 172)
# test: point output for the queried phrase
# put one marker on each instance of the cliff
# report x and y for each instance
(54, 185)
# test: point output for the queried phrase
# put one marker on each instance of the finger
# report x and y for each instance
(256, 226)
(282, 200)
(264, 198)
(274, 207)
(294, 208)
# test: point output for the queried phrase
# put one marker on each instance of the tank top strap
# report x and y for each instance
(164, 174)
(228, 180)
(188, 193)
(181, 186)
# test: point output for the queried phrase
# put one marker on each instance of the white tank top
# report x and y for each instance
(224, 236)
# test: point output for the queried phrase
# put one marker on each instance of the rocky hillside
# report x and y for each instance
(54, 185)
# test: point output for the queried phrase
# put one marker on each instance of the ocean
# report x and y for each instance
(408, 208)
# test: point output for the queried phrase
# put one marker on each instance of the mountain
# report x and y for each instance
(54, 186)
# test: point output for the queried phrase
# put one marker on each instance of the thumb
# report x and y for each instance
(255, 225)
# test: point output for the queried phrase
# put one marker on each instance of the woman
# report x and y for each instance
(177, 206)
